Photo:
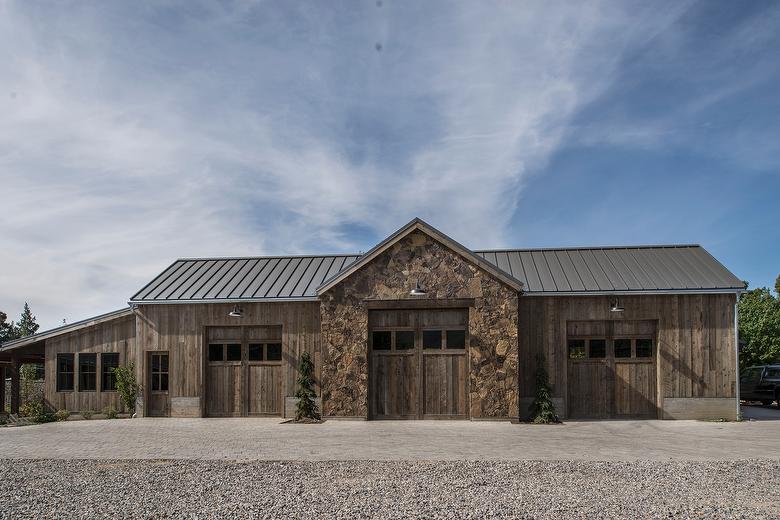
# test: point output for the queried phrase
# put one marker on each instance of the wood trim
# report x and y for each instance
(421, 303)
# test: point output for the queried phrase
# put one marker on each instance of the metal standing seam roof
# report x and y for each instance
(542, 271)
(615, 269)
(256, 278)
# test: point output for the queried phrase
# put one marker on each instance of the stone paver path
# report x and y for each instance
(268, 439)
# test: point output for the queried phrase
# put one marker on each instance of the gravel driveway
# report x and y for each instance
(355, 489)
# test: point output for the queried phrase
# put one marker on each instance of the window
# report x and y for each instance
(255, 352)
(64, 372)
(404, 340)
(87, 372)
(273, 352)
(432, 339)
(456, 339)
(576, 349)
(108, 362)
(215, 352)
(598, 348)
(644, 348)
(380, 340)
(622, 348)
(233, 352)
(159, 372)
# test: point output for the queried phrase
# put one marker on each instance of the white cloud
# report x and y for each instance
(133, 137)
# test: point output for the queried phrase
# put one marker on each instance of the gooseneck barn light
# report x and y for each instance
(615, 306)
(236, 312)
(418, 291)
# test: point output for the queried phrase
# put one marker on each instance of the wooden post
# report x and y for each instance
(2, 388)
(15, 385)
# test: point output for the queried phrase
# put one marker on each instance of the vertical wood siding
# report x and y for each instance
(111, 336)
(695, 340)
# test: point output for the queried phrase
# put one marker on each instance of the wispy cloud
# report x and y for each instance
(134, 135)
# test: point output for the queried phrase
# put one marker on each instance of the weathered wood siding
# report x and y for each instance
(179, 329)
(111, 336)
(695, 341)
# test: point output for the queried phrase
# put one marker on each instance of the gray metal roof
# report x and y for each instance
(228, 279)
(599, 270)
(615, 269)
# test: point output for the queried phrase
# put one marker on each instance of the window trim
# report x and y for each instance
(159, 373)
(86, 373)
(72, 372)
(103, 373)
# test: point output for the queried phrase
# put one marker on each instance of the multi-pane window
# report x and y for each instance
(597, 348)
(381, 340)
(159, 371)
(87, 372)
(64, 372)
(576, 349)
(622, 348)
(431, 339)
(456, 339)
(265, 352)
(108, 362)
(644, 348)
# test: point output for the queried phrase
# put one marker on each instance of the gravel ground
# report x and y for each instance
(355, 489)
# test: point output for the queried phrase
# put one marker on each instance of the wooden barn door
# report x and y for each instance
(158, 369)
(611, 370)
(419, 363)
(243, 371)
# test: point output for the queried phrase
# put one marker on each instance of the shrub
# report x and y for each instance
(126, 385)
(87, 414)
(31, 409)
(110, 412)
(306, 408)
(542, 408)
(62, 415)
(45, 417)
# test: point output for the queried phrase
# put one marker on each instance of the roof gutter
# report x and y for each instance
(133, 303)
(637, 292)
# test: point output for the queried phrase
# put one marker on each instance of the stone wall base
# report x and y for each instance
(706, 408)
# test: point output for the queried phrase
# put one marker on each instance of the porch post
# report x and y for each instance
(2, 388)
(15, 385)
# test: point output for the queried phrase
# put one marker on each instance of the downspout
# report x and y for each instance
(736, 352)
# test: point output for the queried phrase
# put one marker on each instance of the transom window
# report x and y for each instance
(159, 371)
(265, 352)
(64, 372)
(620, 348)
(108, 362)
(87, 372)
(432, 339)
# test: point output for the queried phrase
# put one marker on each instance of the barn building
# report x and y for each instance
(419, 327)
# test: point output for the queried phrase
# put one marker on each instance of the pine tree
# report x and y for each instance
(306, 409)
(542, 408)
(27, 325)
(7, 330)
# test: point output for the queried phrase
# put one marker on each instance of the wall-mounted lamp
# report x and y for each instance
(236, 312)
(418, 291)
(615, 306)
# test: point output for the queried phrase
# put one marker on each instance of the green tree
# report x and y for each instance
(306, 408)
(27, 325)
(542, 408)
(759, 327)
(127, 386)
(7, 330)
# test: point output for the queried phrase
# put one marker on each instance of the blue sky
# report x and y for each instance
(136, 133)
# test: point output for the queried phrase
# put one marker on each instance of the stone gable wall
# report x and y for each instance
(493, 326)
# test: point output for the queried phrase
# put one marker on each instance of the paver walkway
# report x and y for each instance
(267, 439)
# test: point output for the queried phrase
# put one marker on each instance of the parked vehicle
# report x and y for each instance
(760, 384)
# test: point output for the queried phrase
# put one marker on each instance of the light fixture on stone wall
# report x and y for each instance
(615, 306)
(418, 291)
(236, 312)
